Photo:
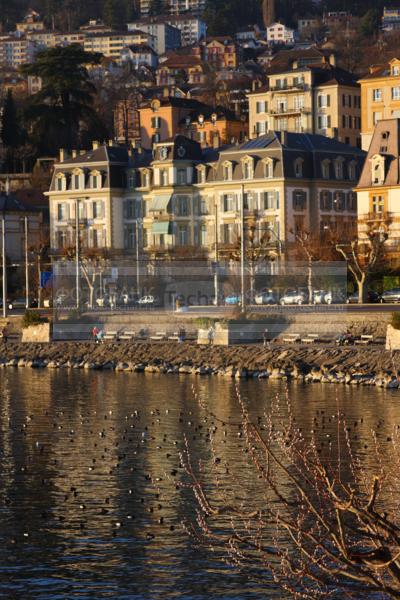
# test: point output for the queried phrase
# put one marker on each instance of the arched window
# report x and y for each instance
(298, 167)
(325, 168)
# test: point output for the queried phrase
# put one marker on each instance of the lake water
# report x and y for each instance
(89, 464)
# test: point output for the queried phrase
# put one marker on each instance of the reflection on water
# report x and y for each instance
(89, 464)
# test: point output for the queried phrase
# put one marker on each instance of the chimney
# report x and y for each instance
(62, 155)
(332, 60)
(74, 153)
(95, 145)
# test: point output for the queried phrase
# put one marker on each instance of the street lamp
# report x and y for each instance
(25, 220)
(138, 223)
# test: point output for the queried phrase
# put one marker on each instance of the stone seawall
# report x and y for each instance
(371, 365)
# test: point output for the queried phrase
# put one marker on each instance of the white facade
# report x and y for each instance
(278, 33)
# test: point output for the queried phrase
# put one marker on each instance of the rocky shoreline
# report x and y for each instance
(369, 365)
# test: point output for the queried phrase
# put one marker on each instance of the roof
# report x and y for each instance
(386, 143)
(181, 60)
(141, 48)
(103, 154)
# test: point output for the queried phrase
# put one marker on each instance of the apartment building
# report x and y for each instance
(186, 196)
(112, 44)
(380, 98)
(194, 7)
(31, 22)
(97, 191)
(178, 67)
(165, 36)
(378, 190)
(139, 55)
(219, 52)
(320, 99)
(16, 51)
(391, 18)
(191, 27)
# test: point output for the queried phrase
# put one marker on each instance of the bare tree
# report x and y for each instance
(362, 258)
(313, 519)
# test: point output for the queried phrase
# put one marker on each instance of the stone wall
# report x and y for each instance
(37, 334)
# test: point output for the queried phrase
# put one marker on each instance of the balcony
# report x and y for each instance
(295, 110)
(376, 217)
(292, 87)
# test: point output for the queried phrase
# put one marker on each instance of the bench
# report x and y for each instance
(110, 336)
(127, 336)
(291, 338)
(311, 338)
(159, 336)
(174, 337)
(365, 339)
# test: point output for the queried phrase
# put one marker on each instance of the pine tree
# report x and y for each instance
(114, 13)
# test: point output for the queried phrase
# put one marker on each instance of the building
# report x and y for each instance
(31, 22)
(193, 197)
(324, 100)
(165, 36)
(286, 182)
(219, 52)
(378, 190)
(138, 55)
(380, 97)
(101, 185)
(308, 23)
(112, 44)
(193, 7)
(164, 118)
(181, 68)
(390, 18)
(16, 51)
(127, 120)
(278, 33)
(191, 27)
(15, 211)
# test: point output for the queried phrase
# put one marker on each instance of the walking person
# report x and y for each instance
(211, 336)
(95, 333)
(4, 334)
(265, 338)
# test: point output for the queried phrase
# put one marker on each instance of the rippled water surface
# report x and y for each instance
(89, 464)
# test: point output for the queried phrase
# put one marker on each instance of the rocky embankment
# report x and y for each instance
(370, 365)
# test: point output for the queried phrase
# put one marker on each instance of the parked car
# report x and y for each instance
(265, 297)
(147, 301)
(322, 297)
(20, 303)
(391, 296)
(232, 300)
(372, 297)
(293, 297)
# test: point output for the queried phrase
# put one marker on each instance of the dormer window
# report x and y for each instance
(352, 170)
(339, 168)
(163, 177)
(201, 174)
(227, 171)
(95, 179)
(248, 167)
(326, 169)
(378, 169)
(268, 168)
(298, 167)
(60, 182)
(78, 180)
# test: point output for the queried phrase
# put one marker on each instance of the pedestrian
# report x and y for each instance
(95, 333)
(4, 334)
(211, 335)
(100, 337)
(265, 338)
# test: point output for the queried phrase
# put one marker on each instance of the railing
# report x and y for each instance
(376, 216)
(290, 86)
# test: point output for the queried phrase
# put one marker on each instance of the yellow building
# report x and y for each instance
(317, 99)
(380, 98)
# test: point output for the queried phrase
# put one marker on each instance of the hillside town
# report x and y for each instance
(158, 141)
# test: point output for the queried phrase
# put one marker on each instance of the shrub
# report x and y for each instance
(395, 320)
(204, 322)
(32, 318)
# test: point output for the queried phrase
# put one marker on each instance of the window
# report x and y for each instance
(203, 235)
(131, 181)
(378, 204)
(95, 238)
(298, 167)
(324, 100)
(324, 121)
(339, 201)
(181, 179)
(201, 175)
(155, 122)
(298, 102)
(352, 168)
(227, 171)
(269, 169)
(377, 95)
(182, 206)
(269, 200)
(351, 202)
(395, 70)
(261, 107)
(325, 169)
(247, 170)
(299, 200)
(97, 208)
(325, 200)
(203, 207)
(228, 203)
(61, 212)
(155, 139)
(76, 182)
(94, 181)
(339, 168)
(163, 177)
(261, 127)
(60, 184)
(146, 179)
(183, 235)
(130, 236)
(396, 93)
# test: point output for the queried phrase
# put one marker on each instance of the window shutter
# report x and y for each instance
(277, 200)
(328, 100)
